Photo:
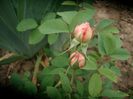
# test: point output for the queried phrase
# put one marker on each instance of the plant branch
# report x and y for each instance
(35, 74)
(73, 76)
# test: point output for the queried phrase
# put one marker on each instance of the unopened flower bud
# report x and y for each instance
(83, 32)
(77, 60)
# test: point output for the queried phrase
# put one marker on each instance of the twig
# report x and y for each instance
(35, 74)
(7, 56)
(73, 76)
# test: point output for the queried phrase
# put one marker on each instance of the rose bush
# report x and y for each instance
(91, 76)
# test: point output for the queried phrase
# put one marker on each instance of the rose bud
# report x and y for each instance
(77, 60)
(83, 32)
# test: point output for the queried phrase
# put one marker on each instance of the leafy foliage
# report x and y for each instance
(36, 37)
(109, 43)
(23, 84)
(65, 83)
(90, 65)
(53, 93)
(60, 80)
(52, 38)
(26, 24)
(121, 54)
(113, 93)
(60, 61)
(67, 16)
(53, 26)
(95, 85)
(108, 73)
(103, 24)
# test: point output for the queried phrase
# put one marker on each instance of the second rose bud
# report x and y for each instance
(77, 60)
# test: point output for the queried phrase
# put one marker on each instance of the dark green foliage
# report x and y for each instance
(23, 84)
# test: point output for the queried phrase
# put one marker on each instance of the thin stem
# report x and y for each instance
(59, 82)
(36, 69)
(73, 76)
(67, 69)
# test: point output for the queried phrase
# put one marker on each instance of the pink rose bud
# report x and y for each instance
(77, 60)
(83, 32)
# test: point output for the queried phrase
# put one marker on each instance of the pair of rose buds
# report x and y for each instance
(83, 34)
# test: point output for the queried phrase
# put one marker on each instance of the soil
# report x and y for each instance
(105, 10)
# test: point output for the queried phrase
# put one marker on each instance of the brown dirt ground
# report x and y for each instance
(105, 10)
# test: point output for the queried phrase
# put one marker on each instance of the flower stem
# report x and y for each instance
(73, 76)
(59, 82)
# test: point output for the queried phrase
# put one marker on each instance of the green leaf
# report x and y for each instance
(86, 5)
(104, 23)
(52, 70)
(80, 17)
(116, 70)
(45, 72)
(90, 65)
(95, 55)
(59, 44)
(70, 3)
(27, 74)
(113, 93)
(95, 85)
(65, 83)
(80, 88)
(60, 61)
(36, 37)
(120, 54)
(107, 84)
(52, 38)
(101, 48)
(48, 16)
(48, 80)
(92, 22)
(26, 24)
(53, 26)
(110, 29)
(23, 84)
(67, 15)
(77, 96)
(48, 52)
(53, 93)
(93, 42)
(57, 71)
(118, 41)
(108, 73)
(109, 43)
